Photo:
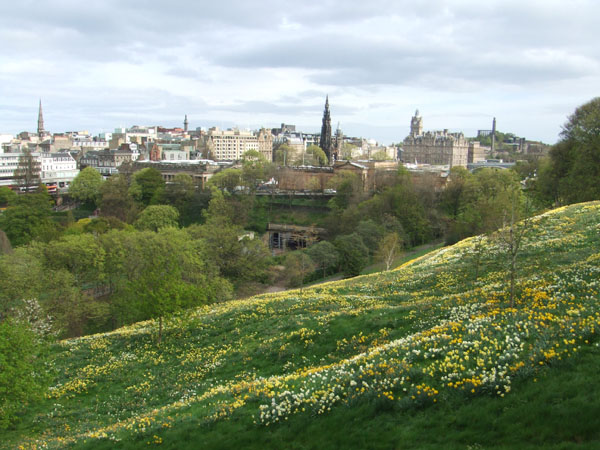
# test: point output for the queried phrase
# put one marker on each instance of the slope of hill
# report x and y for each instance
(428, 355)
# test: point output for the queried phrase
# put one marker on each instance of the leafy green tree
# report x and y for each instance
(283, 155)
(147, 186)
(7, 196)
(252, 155)
(254, 171)
(164, 272)
(575, 159)
(116, 201)
(297, 266)
(487, 197)
(452, 195)
(353, 253)
(86, 186)
(193, 209)
(371, 234)
(228, 246)
(324, 255)
(347, 150)
(21, 377)
(348, 188)
(29, 218)
(381, 155)
(227, 179)
(180, 191)
(403, 202)
(75, 310)
(81, 255)
(100, 225)
(22, 275)
(155, 217)
(313, 156)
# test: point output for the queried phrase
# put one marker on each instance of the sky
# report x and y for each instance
(101, 64)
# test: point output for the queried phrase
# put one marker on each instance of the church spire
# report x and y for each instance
(325, 142)
(40, 127)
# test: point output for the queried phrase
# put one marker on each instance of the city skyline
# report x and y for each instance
(112, 64)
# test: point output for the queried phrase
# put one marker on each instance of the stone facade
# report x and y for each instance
(265, 143)
(230, 145)
(434, 147)
(200, 170)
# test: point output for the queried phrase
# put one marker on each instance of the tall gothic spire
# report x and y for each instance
(325, 142)
(40, 127)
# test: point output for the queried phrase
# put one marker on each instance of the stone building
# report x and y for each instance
(265, 143)
(438, 147)
(230, 145)
(200, 170)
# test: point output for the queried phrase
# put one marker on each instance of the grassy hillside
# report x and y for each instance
(424, 356)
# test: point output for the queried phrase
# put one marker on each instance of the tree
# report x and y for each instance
(283, 155)
(252, 155)
(180, 191)
(347, 150)
(29, 218)
(389, 247)
(22, 275)
(155, 217)
(354, 254)
(86, 186)
(147, 186)
(164, 272)
(371, 234)
(575, 159)
(27, 173)
(381, 155)
(486, 197)
(81, 255)
(403, 202)
(510, 239)
(229, 248)
(116, 201)
(227, 179)
(451, 197)
(21, 377)
(297, 266)
(324, 255)
(313, 156)
(7, 196)
(348, 188)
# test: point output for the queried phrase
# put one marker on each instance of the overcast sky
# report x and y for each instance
(100, 64)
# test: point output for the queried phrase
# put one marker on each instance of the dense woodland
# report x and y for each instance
(156, 248)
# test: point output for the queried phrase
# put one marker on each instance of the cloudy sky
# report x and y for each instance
(99, 64)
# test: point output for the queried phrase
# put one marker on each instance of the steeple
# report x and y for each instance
(40, 127)
(325, 142)
(185, 124)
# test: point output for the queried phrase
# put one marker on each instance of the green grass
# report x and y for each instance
(424, 356)
(404, 257)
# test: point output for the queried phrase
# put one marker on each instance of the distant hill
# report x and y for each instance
(425, 356)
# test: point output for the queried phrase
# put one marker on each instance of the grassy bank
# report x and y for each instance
(429, 355)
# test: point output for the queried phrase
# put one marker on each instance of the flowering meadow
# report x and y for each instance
(437, 331)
